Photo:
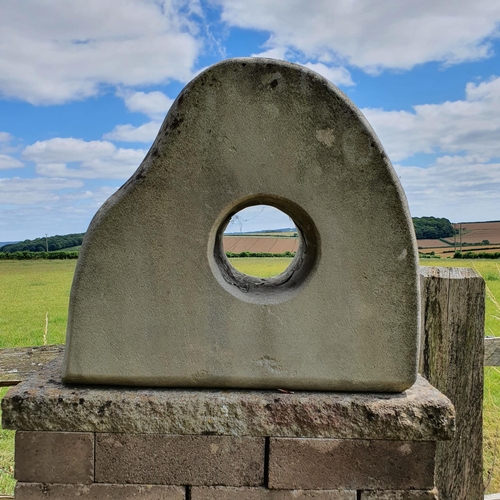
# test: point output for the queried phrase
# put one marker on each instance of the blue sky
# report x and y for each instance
(84, 87)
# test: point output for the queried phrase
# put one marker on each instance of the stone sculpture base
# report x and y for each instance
(122, 443)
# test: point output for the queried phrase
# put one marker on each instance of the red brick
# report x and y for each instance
(351, 464)
(35, 491)
(223, 493)
(179, 460)
(54, 457)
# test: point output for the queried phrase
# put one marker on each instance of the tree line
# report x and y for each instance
(51, 243)
(26, 255)
(425, 228)
(432, 228)
(478, 255)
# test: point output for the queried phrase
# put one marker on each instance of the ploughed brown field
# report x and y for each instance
(472, 232)
(266, 244)
(431, 244)
(475, 232)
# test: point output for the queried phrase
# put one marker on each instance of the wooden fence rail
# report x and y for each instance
(17, 363)
(453, 354)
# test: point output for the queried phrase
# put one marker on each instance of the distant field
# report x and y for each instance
(476, 232)
(448, 251)
(431, 244)
(265, 244)
(273, 234)
(472, 232)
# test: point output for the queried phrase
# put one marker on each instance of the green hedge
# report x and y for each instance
(74, 255)
(231, 255)
(479, 255)
(38, 255)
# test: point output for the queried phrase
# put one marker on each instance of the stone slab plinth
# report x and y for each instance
(44, 403)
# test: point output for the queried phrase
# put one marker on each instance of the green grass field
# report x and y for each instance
(30, 290)
(7, 481)
(261, 266)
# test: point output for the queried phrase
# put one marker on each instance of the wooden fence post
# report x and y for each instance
(451, 358)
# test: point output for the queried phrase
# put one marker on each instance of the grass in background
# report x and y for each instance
(29, 289)
(7, 481)
(491, 429)
(264, 267)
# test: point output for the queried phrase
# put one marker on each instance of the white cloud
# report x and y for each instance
(7, 148)
(470, 126)
(128, 133)
(52, 206)
(7, 162)
(461, 160)
(370, 34)
(337, 75)
(458, 191)
(274, 53)
(89, 160)
(5, 137)
(19, 191)
(153, 104)
(59, 51)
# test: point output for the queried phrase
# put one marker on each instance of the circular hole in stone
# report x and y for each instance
(261, 240)
(246, 284)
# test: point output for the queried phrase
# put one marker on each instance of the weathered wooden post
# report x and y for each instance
(452, 359)
(186, 355)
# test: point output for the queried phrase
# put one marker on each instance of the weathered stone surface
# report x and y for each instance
(350, 464)
(178, 460)
(37, 491)
(167, 309)
(54, 457)
(399, 495)
(221, 493)
(44, 403)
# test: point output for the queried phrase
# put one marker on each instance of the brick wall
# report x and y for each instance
(109, 466)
